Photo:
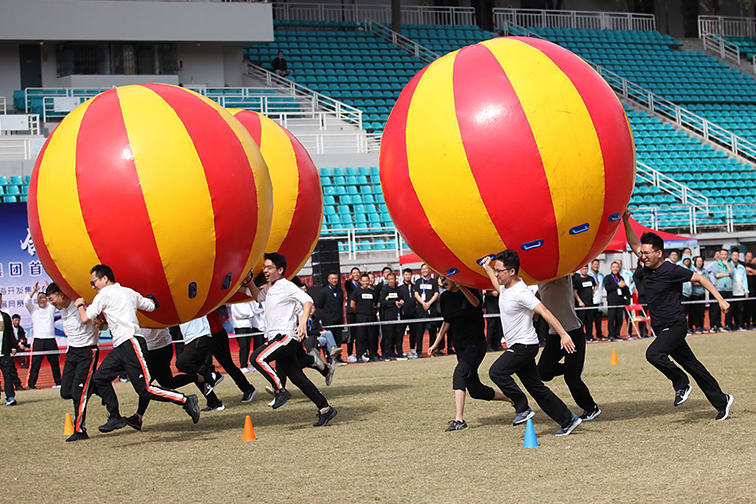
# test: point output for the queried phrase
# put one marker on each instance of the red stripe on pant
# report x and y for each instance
(264, 364)
(152, 390)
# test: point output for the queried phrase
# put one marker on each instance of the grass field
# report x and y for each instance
(388, 442)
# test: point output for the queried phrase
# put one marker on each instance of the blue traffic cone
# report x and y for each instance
(530, 436)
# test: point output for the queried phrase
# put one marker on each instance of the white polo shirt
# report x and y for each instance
(43, 319)
(281, 301)
(194, 329)
(559, 298)
(241, 314)
(156, 338)
(119, 306)
(516, 306)
(79, 335)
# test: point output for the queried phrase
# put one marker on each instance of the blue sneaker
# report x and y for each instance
(523, 416)
(11, 401)
(565, 431)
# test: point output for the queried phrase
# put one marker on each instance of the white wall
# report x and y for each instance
(10, 71)
(200, 64)
(135, 21)
(96, 81)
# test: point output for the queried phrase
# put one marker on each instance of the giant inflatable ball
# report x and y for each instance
(513, 143)
(159, 183)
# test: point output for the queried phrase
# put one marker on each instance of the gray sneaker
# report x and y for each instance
(331, 371)
(523, 416)
(319, 364)
(565, 431)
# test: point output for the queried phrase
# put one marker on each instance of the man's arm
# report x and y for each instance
(441, 333)
(472, 298)
(706, 284)
(577, 298)
(632, 238)
(302, 327)
(145, 304)
(250, 290)
(486, 263)
(565, 342)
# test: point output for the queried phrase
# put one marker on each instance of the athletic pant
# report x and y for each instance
(597, 322)
(7, 366)
(366, 336)
(129, 357)
(416, 337)
(670, 342)
(390, 333)
(350, 338)
(494, 333)
(222, 353)
(159, 364)
(715, 314)
(193, 360)
(432, 329)
(586, 317)
(572, 369)
(696, 313)
(737, 309)
(749, 319)
(76, 383)
(466, 373)
(43, 345)
(177, 338)
(283, 350)
(519, 359)
(244, 341)
(615, 318)
(305, 361)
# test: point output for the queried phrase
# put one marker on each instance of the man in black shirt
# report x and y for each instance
(351, 284)
(409, 311)
(493, 326)
(279, 65)
(663, 285)
(331, 306)
(462, 310)
(363, 303)
(617, 294)
(8, 347)
(391, 304)
(426, 295)
(584, 286)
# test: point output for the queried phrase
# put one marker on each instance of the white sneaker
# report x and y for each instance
(56, 386)
(365, 358)
(245, 370)
(352, 359)
(412, 354)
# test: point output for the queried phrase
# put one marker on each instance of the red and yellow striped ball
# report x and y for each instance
(297, 194)
(161, 184)
(513, 143)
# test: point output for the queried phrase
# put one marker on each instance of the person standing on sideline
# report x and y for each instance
(285, 331)
(493, 327)
(462, 310)
(20, 335)
(663, 283)
(739, 291)
(8, 348)
(241, 315)
(721, 272)
(558, 297)
(749, 318)
(391, 306)
(81, 358)
(584, 287)
(617, 294)
(409, 312)
(517, 304)
(331, 306)
(697, 294)
(351, 284)
(364, 304)
(43, 332)
(119, 306)
(598, 298)
(426, 295)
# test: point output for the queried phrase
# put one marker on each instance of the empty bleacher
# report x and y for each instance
(14, 189)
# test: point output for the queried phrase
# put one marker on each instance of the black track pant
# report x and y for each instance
(283, 350)
(615, 317)
(192, 360)
(737, 309)
(494, 333)
(597, 322)
(586, 316)
(159, 364)
(76, 382)
(244, 340)
(129, 357)
(520, 360)
(715, 314)
(572, 368)
(44, 345)
(350, 336)
(670, 342)
(389, 337)
(696, 312)
(416, 337)
(466, 373)
(305, 360)
(8, 367)
(222, 353)
(366, 336)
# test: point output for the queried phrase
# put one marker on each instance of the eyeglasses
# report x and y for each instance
(499, 271)
(649, 253)
(268, 267)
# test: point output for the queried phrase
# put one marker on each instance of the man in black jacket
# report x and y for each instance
(617, 294)
(20, 335)
(8, 348)
(391, 302)
(331, 305)
(409, 311)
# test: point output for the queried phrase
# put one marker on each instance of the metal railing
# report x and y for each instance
(337, 12)
(689, 219)
(402, 42)
(318, 101)
(667, 184)
(16, 148)
(3, 105)
(355, 240)
(726, 50)
(33, 94)
(726, 26)
(590, 20)
(654, 103)
(338, 143)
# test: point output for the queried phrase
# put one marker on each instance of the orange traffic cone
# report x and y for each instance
(249, 431)
(614, 360)
(68, 428)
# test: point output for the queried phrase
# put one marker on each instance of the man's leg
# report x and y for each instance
(69, 372)
(108, 370)
(546, 399)
(387, 340)
(290, 365)
(573, 371)
(715, 315)
(6, 361)
(192, 360)
(86, 365)
(275, 349)
(51, 345)
(598, 321)
(36, 362)
(139, 375)
(372, 335)
(728, 315)
(549, 365)
(738, 309)
(658, 352)
(708, 384)
(361, 338)
(501, 373)
(222, 353)
(244, 341)
(351, 336)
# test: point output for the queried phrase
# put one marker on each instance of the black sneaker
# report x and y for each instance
(77, 436)
(522, 417)
(590, 415)
(682, 395)
(565, 431)
(249, 395)
(456, 425)
(214, 407)
(281, 398)
(113, 423)
(324, 418)
(722, 415)
(191, 406)
(208, 387)
(134, 422)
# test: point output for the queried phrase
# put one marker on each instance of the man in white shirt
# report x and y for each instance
(241, 315)
(283, 300)
(43, 332)
(198, 344)
(81, 358)
(517, 304)
(597, 298)
(119, 306)
(739, 291)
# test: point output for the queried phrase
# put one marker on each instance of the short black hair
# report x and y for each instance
(652, 239)
(53, 289)
(277, 259)
(407, 270)
(354, 268)
(510, 259)
(297, 281)
(391, 274)
(333, 273)
(16, 316)
(387, 268)
(595, 260)
(103, 270)
(364, 275)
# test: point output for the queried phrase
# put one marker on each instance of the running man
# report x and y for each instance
(462, 310)
(663, 284)
(283, 300)
(119, 306)
(517, 305)
(558, 297)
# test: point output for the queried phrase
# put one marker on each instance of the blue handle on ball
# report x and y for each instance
(152, 298)
(615, 217)
(480, 261)
(531, 245)
(226, 282)
(192, 290)
(452, 271)
(582, 228)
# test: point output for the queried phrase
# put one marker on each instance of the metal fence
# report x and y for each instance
(358, 13)
(589, 20)
(726, 26)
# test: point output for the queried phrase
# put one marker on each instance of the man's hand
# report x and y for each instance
(35, 288)
(301, 332)
(581, 304)
(566, 343)
(724, 306)
(432, 349)
(13, 351)
(79, 302)
(626, 214)
(622, 284)
(486, 263)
